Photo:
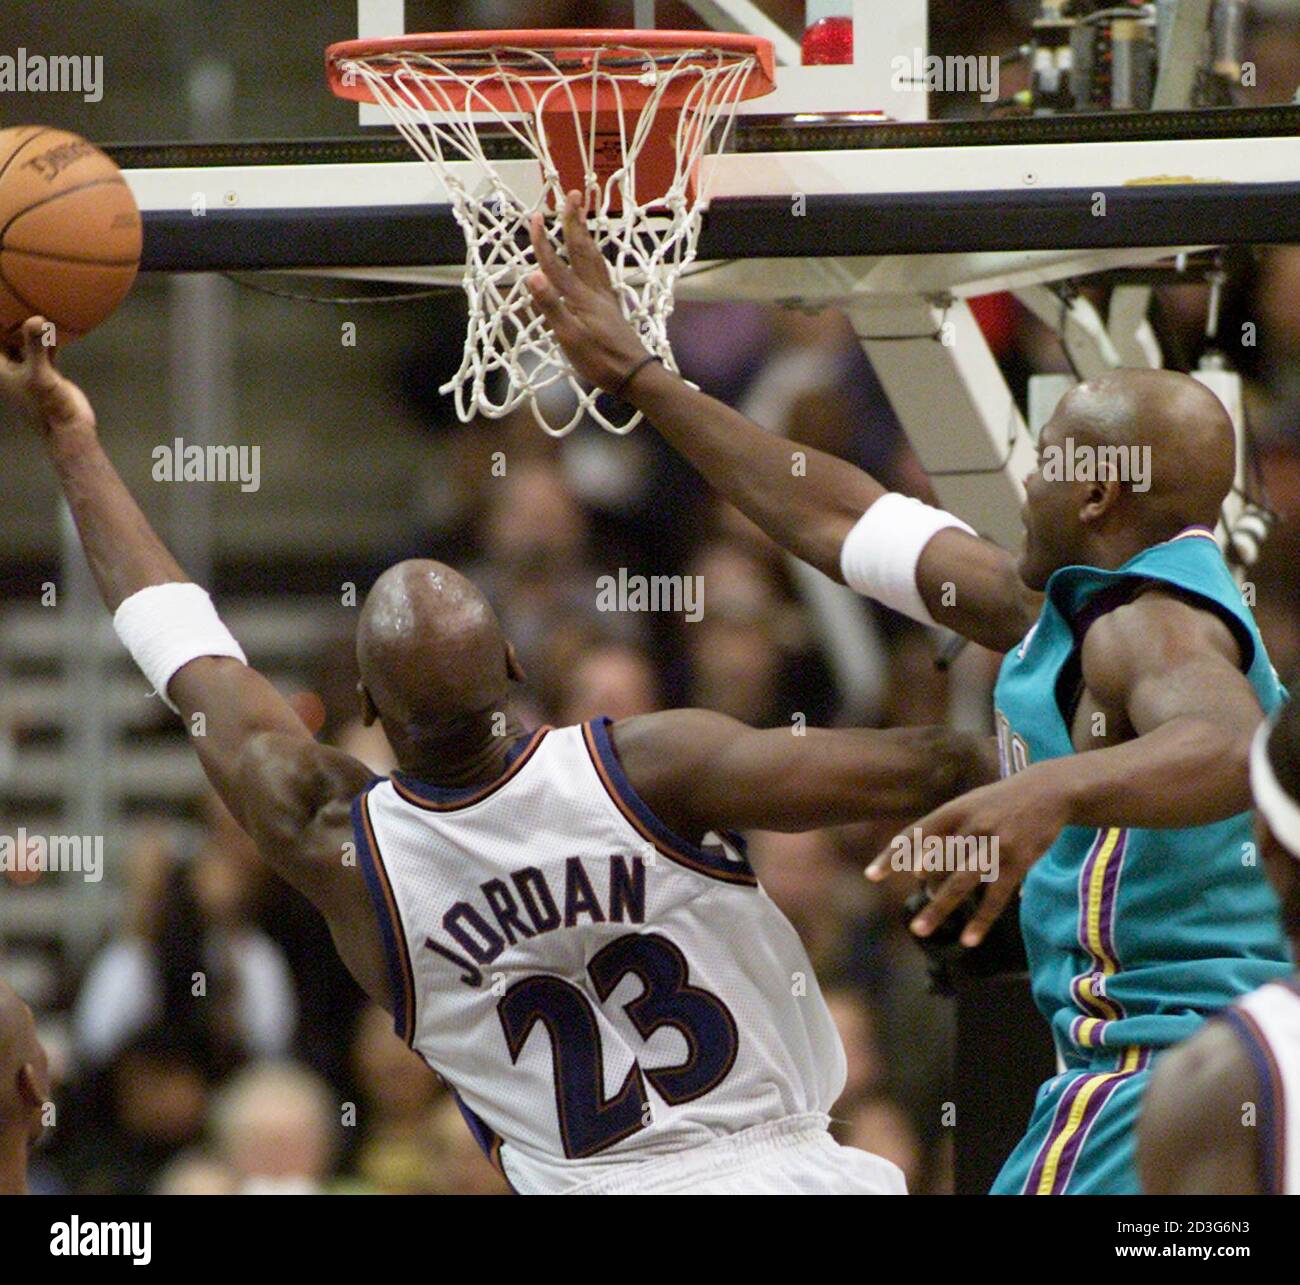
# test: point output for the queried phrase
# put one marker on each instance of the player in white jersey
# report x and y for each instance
(566, 930)
(1222, 1114)
(599, 990)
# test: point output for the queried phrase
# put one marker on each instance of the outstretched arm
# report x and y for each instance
(289, 794)
(1166, 677)
(702, 771)
(809, 512)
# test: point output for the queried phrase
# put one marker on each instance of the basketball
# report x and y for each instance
(69, 231)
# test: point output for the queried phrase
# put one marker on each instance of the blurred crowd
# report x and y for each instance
(215, 1044)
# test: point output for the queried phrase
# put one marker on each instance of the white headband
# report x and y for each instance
(1275, 805)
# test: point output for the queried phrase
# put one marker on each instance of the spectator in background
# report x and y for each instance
(883, 1125)
(857, 1023)
(188, 956)
(369, 744)
(824, 899)
(275, 1127)
(535, 564)
(124, 1122)
(1273, 49)
(195, 1173)
(599, 678)
(1277, 288)
(737, 651)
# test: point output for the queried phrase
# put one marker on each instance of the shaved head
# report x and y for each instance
(24, 1088)
(435, 666)
(1168, 424)
(1190, 433)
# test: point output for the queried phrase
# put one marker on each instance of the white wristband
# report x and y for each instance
(1275, 805)
(880, 556)
(166, 626)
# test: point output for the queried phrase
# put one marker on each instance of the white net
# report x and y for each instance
(510, 356)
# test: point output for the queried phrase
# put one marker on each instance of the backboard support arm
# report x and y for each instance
(745, 16)
(954, 405)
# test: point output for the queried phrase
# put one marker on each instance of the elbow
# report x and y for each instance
(1213, 751)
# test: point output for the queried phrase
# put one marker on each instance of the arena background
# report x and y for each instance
(275, 1074)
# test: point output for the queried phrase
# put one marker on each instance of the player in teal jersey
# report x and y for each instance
(1134, 934)
(1133, 681)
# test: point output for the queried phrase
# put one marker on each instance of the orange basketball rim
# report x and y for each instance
(586, 88)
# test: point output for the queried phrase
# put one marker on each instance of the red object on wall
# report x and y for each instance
(998, 316)
(828, 42)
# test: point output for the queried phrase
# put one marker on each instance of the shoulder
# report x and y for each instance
(670, 756)
(653, 748)
(1158, 627)
(1196, 1134)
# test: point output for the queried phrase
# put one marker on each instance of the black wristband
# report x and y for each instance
(634, 372)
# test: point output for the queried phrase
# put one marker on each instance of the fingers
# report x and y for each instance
(992, 903)
(955, 889)
(586, 267)
(547, 298)
(38, 354)
(560, 275)
(587, 260)
(21, 345)
(550, 303)
(939, 822)
(33, 335)
(879, 869)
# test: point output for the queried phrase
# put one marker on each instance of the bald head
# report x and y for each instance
(1128, 460)
(24, 1088)
(1193, 446)
(432, 656)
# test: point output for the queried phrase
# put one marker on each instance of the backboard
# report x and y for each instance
(235, 72)
(243, 160)
(819, 202)
(871, 83)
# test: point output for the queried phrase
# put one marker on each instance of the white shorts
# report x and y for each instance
(791, 1157)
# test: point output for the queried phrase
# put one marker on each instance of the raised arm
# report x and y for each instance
(966, 583)
(290, 794)
(702, 771)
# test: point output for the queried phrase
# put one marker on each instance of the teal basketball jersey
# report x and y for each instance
(1135, 936)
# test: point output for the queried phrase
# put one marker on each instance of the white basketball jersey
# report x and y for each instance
(595, 990)
(1268, 1023)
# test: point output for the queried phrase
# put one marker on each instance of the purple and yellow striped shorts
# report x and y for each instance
(1081, 1138)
